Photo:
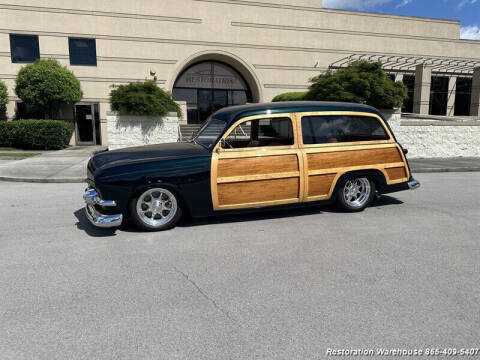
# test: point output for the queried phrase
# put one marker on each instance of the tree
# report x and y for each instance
(360, 82)
(144, 99)
(3, 100)
(290, 96)
(48, 85)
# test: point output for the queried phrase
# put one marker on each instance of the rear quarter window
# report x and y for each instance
(341, 128)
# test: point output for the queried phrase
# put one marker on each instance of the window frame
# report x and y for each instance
(382, 122)
(37, 44)
(218, 147)
(94, 40)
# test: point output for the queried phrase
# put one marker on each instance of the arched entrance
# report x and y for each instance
(208, 86)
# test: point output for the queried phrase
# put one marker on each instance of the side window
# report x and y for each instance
(339, 128)
(260, 133)
(24, 48)
(82, 51)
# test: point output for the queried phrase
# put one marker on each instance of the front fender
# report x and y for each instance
(187, 177)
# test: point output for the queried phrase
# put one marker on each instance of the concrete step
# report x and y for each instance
(188, 130)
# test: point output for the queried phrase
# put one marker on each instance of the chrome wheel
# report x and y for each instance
(356, 192)
(156, 207)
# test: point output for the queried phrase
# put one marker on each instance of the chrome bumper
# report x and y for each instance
(413, 184)
(92, 198)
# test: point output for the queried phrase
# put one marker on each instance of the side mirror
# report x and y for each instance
(223, 143)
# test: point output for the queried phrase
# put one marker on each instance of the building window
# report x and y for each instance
(28, 111)
(338, 129)
(24, 48)
(439, 96)
(463, 97)
(82, 51)
(409, 81)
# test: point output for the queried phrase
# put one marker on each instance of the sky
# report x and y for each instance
(467, 11)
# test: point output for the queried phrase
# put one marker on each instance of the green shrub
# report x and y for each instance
(144, 99)
(7, 134)
(360, 82)
(290, 96)
(48, 85)
(3, 100)
(35, 134)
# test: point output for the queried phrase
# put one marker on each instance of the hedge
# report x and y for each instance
(144, 99)
(35, 134)
(290, 96)
(3, 100)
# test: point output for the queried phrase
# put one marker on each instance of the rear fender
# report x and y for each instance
(374, 175)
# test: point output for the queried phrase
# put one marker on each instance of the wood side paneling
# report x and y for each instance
(343, 159)
(320, 184)
(396, 173)
(257, 165)
(258, 191)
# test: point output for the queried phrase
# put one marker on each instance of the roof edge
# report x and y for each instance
(371, 13)
(234, 113)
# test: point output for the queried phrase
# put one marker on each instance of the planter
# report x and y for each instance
(428, 136)
(391, 114)
(127, 131)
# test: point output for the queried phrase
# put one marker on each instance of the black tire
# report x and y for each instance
(140, 218)
(347, 187)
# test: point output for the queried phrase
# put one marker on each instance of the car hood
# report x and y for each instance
(150, 152)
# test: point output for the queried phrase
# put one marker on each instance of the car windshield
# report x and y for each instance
(209, 133)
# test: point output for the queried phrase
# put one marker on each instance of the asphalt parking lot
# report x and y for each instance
(286, 285)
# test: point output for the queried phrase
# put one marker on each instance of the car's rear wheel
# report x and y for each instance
(356, 194)
(156, 209)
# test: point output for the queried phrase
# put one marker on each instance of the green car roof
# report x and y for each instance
(234, 113)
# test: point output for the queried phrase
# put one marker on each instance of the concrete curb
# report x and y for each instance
(14, 158)
(444, 170)
(44, 181)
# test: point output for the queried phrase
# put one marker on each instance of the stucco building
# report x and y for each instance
(215, 53)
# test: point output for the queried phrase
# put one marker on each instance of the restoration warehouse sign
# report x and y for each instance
(210, 75)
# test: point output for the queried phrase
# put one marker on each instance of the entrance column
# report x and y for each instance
(421, 97)
(475, 104)
(452, 94)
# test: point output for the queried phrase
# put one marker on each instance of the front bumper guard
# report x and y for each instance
(413, 184)
(98, 219)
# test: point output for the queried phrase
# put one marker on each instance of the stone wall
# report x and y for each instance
(436, 137)
(184, 110)
(128, 131)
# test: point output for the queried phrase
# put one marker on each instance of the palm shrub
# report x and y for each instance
(48, 85)
(143, 99)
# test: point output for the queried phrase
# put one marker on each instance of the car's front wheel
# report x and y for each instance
(356, 194)
(156, 209)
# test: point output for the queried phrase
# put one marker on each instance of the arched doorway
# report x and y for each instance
(208, 86)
